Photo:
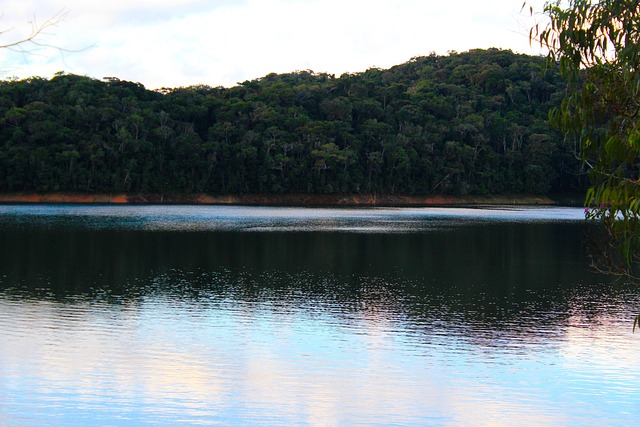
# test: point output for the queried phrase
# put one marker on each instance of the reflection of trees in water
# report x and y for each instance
(612, 253)
(518, 278)
(607, 254)
(499, 255)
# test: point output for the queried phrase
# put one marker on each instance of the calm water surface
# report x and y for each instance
(220, 315)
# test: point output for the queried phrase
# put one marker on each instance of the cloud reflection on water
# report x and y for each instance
(265, 361)
(269, 219)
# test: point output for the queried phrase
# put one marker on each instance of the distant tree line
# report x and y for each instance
(465, 123)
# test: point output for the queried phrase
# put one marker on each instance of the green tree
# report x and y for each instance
(472, 122)
(597, 47)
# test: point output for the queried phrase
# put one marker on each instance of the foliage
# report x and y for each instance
(597, 47)
(473, 122)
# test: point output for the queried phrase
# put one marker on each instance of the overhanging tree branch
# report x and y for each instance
(33, 38)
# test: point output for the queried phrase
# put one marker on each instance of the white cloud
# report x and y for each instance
(170, 43)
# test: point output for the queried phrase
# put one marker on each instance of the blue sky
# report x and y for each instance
(169, 43)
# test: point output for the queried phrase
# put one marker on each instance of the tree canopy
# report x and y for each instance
(465, 123)
(597, 47)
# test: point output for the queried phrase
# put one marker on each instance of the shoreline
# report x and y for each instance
(310, 200)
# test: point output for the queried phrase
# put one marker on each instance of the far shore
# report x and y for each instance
(317, 200)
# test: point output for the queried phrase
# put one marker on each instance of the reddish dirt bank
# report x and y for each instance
(62, 198)
(279, 199)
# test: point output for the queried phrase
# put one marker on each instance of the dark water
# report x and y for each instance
(167, 315)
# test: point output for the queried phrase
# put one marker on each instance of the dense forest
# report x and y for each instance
(465, 123)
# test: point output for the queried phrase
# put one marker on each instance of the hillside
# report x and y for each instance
(472, 123)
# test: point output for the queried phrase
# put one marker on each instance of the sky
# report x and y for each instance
(171, 43)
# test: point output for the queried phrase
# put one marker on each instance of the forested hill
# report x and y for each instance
(466, 123)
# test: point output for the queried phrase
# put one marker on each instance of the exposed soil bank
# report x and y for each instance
(289, 199)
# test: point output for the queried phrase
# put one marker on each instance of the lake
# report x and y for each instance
(232, 315)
